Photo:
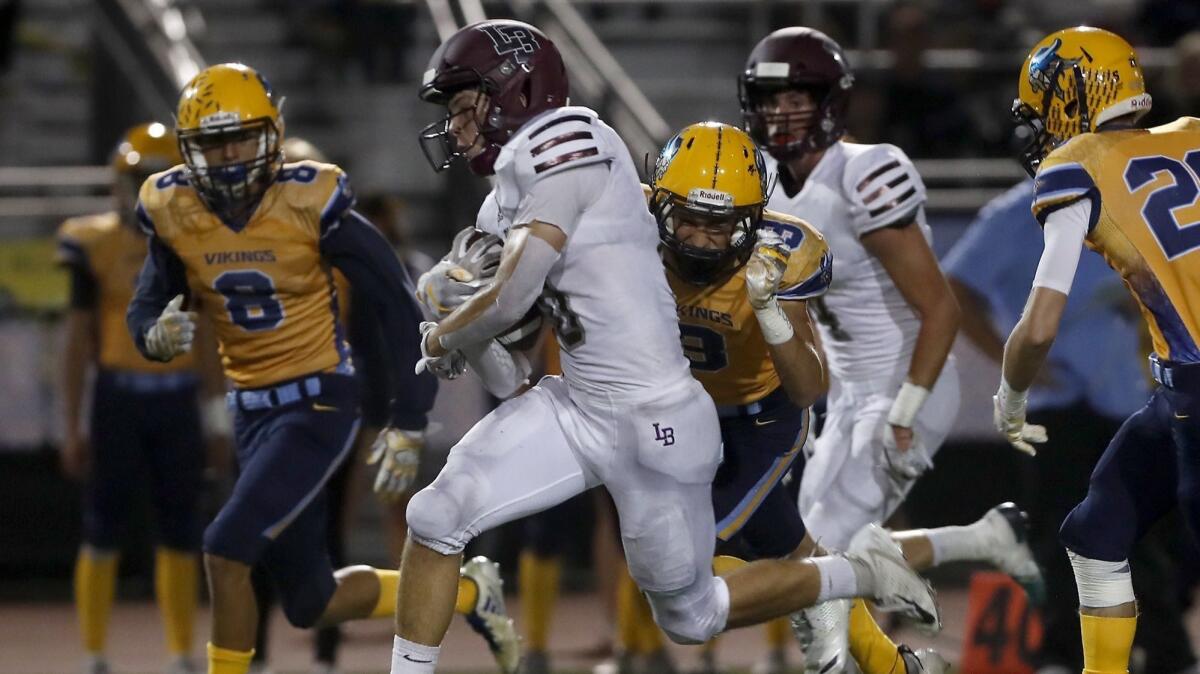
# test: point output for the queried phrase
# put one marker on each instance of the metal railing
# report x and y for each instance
(597, 75)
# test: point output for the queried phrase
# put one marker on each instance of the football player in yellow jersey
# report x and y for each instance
(1129, 194)
(144, 418)
(741, 277)
(253, 241)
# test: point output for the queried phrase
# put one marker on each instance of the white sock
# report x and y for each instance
(960, 544)
(838, 578)
(413, 658)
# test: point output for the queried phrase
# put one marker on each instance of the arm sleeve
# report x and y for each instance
(1065, 229)
(162, 277)
(516, 295)
(356, 248)
(83, 288)
(560, 198)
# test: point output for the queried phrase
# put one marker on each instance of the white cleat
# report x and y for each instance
(894, 586)
(924, 661)
(489, 617)
(823, 632)
(1011, 553)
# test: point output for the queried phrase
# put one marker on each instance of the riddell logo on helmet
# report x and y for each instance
(699, 196)
(511, 40)
(219, 118)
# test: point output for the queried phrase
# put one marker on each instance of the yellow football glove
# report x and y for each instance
(398, 453)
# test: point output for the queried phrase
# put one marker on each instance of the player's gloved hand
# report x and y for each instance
(446, 286)
(904, 458)
(765, 269)
(398, 453)
(448, 366)
(1008, 415)
(173, 332)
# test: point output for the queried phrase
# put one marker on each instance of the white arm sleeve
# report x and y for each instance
(1065, 230)
(560, 198)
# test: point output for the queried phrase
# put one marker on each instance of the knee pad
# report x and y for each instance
(1094, 532)
(694, 615)
(1102, 584)
(438, 516)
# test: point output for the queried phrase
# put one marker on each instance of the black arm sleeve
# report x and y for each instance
(83, 288)
(162, 277)
(356, 248)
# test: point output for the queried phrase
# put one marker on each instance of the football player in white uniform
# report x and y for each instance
(886, 324)
(626, 413)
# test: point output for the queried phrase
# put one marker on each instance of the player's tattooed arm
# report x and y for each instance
(530, 252)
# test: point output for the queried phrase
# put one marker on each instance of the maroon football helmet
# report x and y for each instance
(515, 64)
(791, 59)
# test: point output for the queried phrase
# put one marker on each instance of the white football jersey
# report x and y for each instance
(867, 328)
(607, 295)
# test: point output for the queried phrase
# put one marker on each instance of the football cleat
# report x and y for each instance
(923, 661)
(1011, 553)
(488, 617)
(894, 586)
(823, 632)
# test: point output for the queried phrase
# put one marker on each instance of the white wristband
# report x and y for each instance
(1011, 400)
(776, 327)
(906, 405)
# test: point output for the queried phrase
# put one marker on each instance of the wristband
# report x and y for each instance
(776, 327)
(906, 405)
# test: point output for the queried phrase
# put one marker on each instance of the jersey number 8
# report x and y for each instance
(250, 299)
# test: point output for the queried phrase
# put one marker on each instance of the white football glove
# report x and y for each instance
(398, 453)
(764, 270)
(446, 286)
(902, 466)
(1008, 415)
(173, 332)
(449, 366)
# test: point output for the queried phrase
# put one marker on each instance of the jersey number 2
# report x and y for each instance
(1174, 238)
(250, 299)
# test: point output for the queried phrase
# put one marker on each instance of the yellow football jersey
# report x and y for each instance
(270, 295)
(112, 254)
(1143, 186)
(720, 334)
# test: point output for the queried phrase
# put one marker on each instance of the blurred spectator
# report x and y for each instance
(922, 115)
(990, 270)
(1162, 22)
(382, 33)
(1179, 90)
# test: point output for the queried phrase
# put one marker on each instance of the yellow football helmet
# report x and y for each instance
(709, 175)
(230, 129)
(145, 149)
(1072, 82)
